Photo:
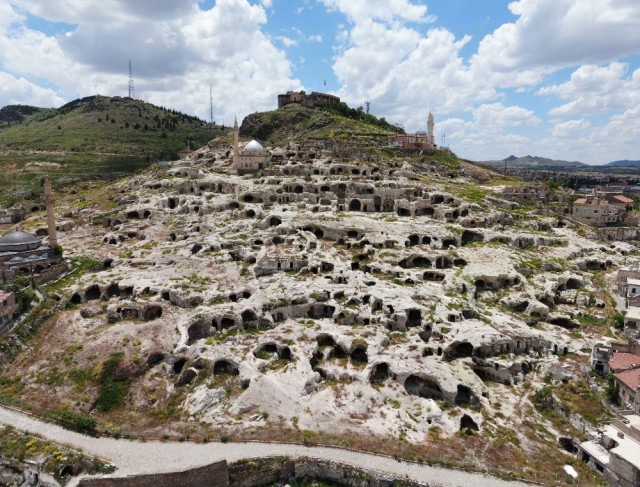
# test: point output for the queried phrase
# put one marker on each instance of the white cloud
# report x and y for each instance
(550, 34)
(287, 41)
(384, 10)
(8, 15)
(315, 38)
(173, 61)
(570, 129)
(15, 91)
(596, 89)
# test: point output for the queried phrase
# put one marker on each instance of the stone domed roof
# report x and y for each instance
(253, 145)
(18, 238)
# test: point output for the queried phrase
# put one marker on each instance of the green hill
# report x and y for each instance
(94, 138)
(109, 125)
(294, 122)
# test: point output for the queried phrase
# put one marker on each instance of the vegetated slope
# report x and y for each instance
(295, 122)
(624, 163)
(534, 163)
(110, 125)
(17, 114)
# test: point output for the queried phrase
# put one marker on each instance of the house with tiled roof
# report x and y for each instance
(626, 372)
(604, 209)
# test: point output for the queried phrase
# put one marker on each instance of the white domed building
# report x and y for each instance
(251, 158)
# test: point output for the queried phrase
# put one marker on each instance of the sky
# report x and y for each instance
(552, 78)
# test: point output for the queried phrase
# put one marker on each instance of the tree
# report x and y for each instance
(613, 390)
(618, 320)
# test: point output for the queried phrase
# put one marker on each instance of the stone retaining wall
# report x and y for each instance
(265, 471)
(256, 473)
(214, 475)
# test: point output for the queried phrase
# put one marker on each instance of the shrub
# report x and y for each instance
(74, 421)
(618, 320)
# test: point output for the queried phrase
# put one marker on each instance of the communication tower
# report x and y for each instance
(367, 105)
(210, 104)
(132, 91)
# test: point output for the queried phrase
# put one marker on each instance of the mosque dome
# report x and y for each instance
(19, 238)
(254, 145)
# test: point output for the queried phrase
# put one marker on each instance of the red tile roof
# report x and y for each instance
(581, 201)
(629, 378)
(4, 295)
(624, 199)
(624, 361)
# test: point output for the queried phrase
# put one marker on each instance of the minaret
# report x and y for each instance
(430, 124)
(236, 134)
(51, 218)
(236, 143)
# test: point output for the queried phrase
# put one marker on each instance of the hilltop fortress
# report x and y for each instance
(309, 101)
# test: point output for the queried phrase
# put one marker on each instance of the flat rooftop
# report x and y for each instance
(628, 449)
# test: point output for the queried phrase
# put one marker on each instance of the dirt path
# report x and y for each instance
(134, 457)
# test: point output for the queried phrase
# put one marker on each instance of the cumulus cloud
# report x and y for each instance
(384, 10)
(14, 91)
(571, 129)
(596, 90)
(550, 34)
(173, 61)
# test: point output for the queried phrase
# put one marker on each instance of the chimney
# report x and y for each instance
(51, 218)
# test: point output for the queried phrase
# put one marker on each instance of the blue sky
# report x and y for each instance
(556, 78)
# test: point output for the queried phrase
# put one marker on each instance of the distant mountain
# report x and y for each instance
(624, 163)
(533, 163)
(105, 125)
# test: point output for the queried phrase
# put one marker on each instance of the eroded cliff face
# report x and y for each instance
(386, 295)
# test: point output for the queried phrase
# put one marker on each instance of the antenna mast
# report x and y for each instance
(367, 105)
(210, 104)
(132, 91)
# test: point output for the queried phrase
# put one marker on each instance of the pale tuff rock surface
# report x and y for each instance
(328, 294)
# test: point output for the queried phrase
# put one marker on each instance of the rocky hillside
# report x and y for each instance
(17, 114)
(348, 296)
(295, 123)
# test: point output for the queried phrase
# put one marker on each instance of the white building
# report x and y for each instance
(251, 158)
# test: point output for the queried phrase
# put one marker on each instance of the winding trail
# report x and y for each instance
(135, 457)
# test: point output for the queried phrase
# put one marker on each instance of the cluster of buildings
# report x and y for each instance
(602, 209)
(615, 451)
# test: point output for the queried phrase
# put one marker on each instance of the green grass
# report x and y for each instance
(112, 391)
(96, 138)
(110, 125)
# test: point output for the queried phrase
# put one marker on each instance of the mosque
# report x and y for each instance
(420, 140)
(22, 252)
(252, 157)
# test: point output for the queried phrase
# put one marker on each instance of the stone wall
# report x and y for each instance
(266, 471)
(214, 475)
